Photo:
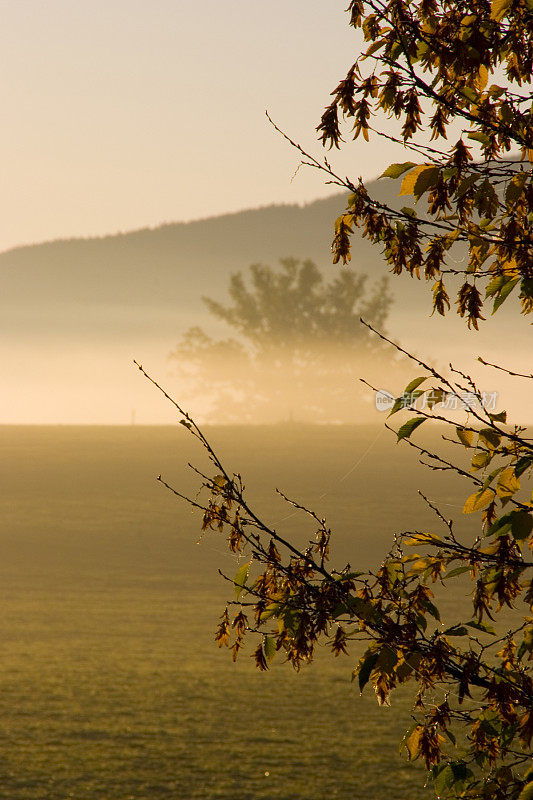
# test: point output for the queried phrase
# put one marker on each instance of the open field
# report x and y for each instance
(112, 687)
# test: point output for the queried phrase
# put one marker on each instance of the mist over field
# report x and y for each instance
(75, 313)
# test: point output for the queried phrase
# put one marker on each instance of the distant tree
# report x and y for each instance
(300, 346)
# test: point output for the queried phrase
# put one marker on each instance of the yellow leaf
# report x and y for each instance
(498, 9)
(408, 183)
(483, 77)
(509, 266)
(412, 742)
(508, 484)
(465, 437)
(427, 177)
(421, 538)
(480, 460)
(478, 501)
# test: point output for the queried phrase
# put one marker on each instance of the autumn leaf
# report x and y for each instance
(498, 9)
(478, 501)
(419, 179)
(508, 484)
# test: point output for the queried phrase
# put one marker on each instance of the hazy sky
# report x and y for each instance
(119, 114)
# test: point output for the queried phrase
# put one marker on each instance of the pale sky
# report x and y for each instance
(118, 114)
(122, 114)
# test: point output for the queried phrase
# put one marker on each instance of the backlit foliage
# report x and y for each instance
(471, 677)
(462, 72)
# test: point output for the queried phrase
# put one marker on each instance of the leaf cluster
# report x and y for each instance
(461, 70)
(473, 677)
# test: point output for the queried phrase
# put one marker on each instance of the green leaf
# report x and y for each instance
(466, 184)
(504, 294)
(481, 626)
(387, 660)
(501, 526)
(405, 669)
(476, 135)
(496, 91)
(443, 779)
(269, 647)
(408, 427)
(489, 438)
(404, 401)
(425, 180)
(521, 524)
(522, 465)
(366, 665)
(395, 170)
(414, 384)
(490, 477)
(270, 611)
(450, 736)
(421, 622)
(515, 187)
(348, 576)
(495, 284)
(398, 404)
(354, 606)
(456, 630)
(431, 609)
(461, 774)
(456, 571)
(453, 775)
(239, 582)
(470, 94)
(396, 50)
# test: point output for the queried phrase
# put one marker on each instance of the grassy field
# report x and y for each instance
(112, 687)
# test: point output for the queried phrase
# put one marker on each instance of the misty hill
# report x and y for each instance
(74, 313)
(152, 280)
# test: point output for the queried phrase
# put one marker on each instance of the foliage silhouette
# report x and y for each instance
(472, 678)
